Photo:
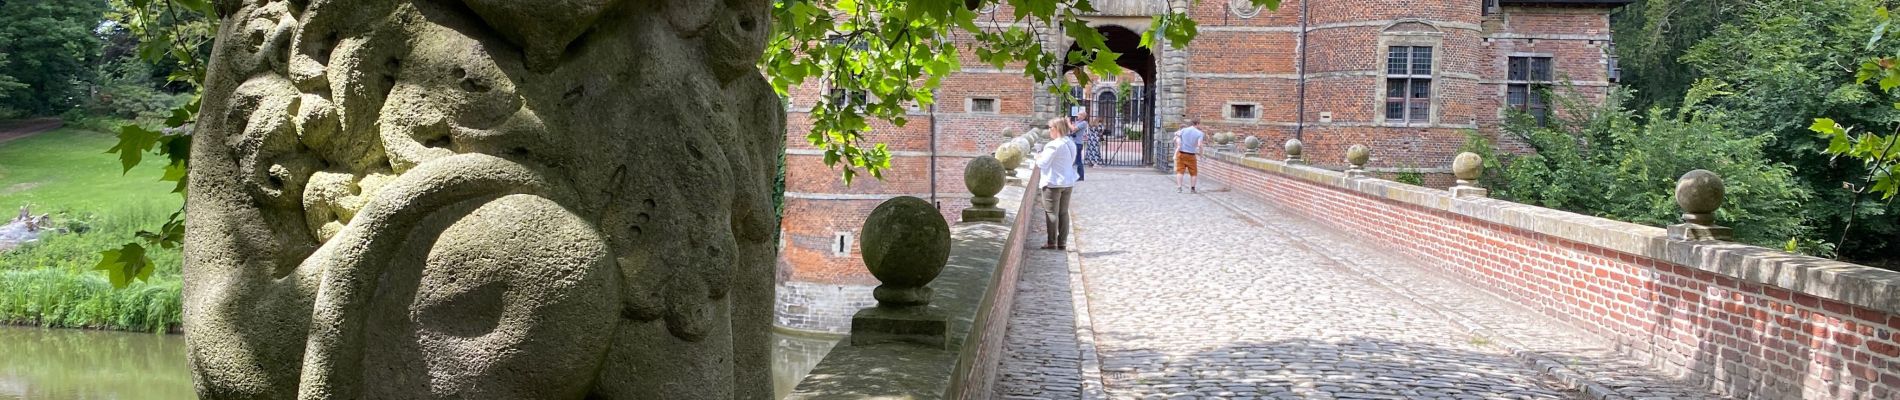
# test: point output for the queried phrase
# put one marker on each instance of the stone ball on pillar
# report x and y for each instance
(1252, 143)
(1010, 155)
(1699, 193)
(905, 244)
(1358, 155)
(1294, 148)
(1467, 167)
(983, 176)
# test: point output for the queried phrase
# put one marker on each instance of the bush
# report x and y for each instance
(1607, 161)
(52, 282)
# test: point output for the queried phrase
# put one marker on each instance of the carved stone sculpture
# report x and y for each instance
(483, 199)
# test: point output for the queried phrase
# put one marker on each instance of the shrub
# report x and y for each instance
(1608, 161)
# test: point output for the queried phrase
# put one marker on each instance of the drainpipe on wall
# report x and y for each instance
(933, 157)
(1299, 129)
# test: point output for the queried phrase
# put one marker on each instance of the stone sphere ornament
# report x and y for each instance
(1699, 193)
(1011, 155)
(1252, 143)
(1358, 155)
(1294, 148)
(1467, 167)
(983, 176)
(906, 244)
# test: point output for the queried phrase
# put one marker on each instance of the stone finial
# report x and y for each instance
(984, 177)
(1358, 155)
(1253, 146)
(1011, 155)
(1011, 132)
(1699, 193)
(905, 244)
(1294, 151)
(1468, 167)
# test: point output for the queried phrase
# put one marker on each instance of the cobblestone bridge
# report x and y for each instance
(1224, 295)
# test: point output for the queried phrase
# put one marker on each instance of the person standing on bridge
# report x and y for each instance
(1187, 146)
(1058, 163)
(1091, 140)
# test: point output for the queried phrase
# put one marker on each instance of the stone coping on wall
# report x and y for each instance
(1849, 283)
(978, 275)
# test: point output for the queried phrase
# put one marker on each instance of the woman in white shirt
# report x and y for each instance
(1057, 161)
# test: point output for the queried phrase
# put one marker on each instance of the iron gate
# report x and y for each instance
(1121, 128)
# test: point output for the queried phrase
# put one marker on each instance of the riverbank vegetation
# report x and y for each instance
(52, 282)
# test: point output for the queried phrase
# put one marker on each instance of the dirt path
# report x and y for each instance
(10, 130)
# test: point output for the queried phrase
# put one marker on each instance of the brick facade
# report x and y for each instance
(1751, 323)
(1241, 57)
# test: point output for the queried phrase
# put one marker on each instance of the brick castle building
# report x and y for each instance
(1410, 78)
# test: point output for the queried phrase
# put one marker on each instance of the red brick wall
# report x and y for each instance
(1237, 60)
(1736, 337)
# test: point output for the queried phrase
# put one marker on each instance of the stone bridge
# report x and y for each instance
(1281, 280)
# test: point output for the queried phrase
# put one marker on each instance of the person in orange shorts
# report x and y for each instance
(1187, 145)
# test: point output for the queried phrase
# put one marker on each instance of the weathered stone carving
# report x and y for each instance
(484, 199)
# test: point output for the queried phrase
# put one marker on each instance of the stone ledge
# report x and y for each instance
(1854, 284)
(976, 285)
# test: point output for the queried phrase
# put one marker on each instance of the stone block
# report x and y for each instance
(926, 326)
(1695, 232)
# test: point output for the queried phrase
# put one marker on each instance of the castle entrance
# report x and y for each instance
(1122, 120)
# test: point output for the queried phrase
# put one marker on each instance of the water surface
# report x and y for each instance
(72, 364)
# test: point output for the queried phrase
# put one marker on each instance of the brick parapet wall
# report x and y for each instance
(1744, 321)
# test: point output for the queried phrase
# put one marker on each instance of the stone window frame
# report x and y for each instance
(841, 244)
(1227, 111)
(1531, 85)
(1432, 37)
(996, 104)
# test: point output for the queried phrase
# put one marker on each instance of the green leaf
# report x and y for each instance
(126, 264)
(134, 141)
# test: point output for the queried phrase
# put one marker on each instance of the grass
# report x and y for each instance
(51, 282)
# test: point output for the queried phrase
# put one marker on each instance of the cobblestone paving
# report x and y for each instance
(1520, 327)
(1041, 358)
(1192, 300)
(1220, 295)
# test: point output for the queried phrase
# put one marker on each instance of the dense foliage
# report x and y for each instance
(1651, 36)
(47, 50)
(1605, 160)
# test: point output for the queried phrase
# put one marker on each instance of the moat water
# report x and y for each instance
(73, 364)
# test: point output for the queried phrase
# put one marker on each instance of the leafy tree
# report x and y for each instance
(1609, 161)
(896, 52)
(1787, 62)
(1651, 37)
(50, 47)
(8, 85)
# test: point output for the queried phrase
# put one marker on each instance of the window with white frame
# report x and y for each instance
(1408, 84)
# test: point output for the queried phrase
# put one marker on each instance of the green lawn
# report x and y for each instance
(66, 172)
(68, 169)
